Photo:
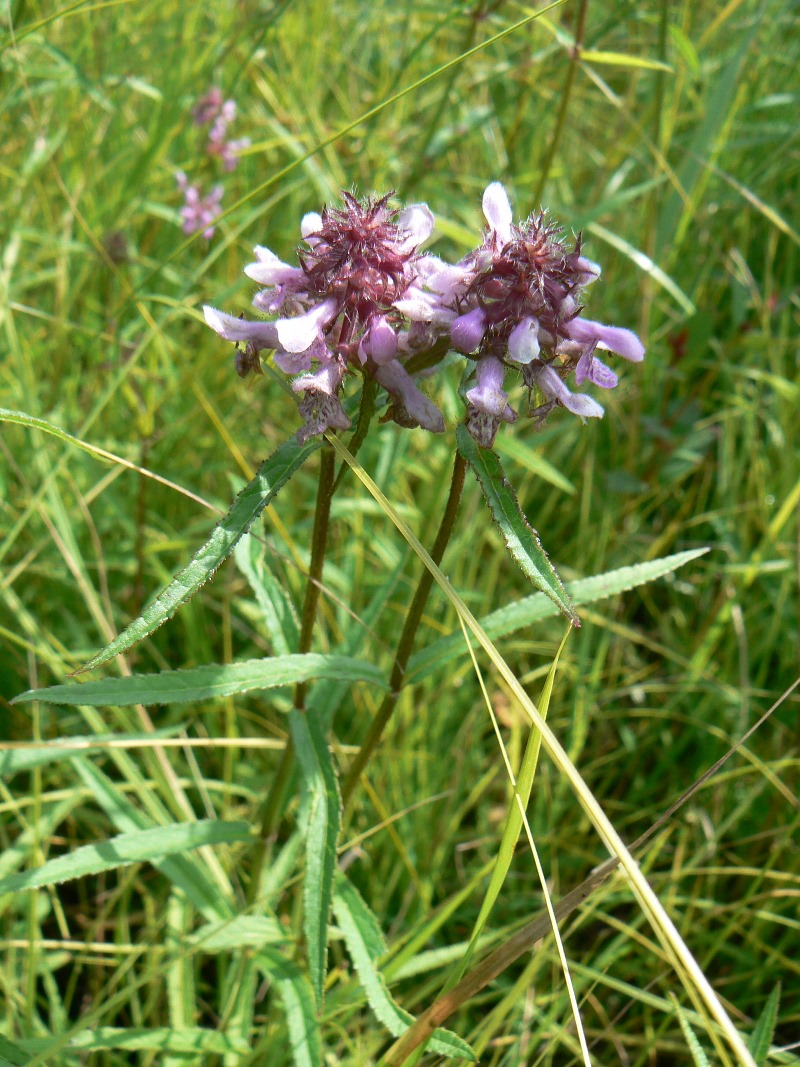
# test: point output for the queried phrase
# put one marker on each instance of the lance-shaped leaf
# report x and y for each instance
(521, 539)
(208, 682)
(323, 822)
(298, 1003)
(365, 943)
(521, 613)
(272, 475)
(120, 851)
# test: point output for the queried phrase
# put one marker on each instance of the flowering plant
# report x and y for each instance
(365, 298)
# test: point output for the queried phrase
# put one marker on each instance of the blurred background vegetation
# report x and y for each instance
(671, 141)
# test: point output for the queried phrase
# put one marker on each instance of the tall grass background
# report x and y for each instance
(671, 141)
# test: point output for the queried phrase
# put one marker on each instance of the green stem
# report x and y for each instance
(369, 391)
(580, 29)
(408, 636)
(273, 804)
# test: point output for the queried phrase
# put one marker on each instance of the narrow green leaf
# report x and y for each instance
(272, 475)
(678, 208)
(513, 617)
(696, 1049)
(12, 1054)
(322, 828)
(521, 539)
(26, 757)
(298, 1003)
(209, 682)
(245, 931)
(186, 872)
(761, 1037)
(521, 453)
(513, 826)
(140, 1039)
(273, 600)
(120, 851)
(621, 59)
(365, 944)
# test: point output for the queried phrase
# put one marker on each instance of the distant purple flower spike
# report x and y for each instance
(207, 107)
(198, 212)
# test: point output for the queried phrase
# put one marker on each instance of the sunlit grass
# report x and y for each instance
(678, 158)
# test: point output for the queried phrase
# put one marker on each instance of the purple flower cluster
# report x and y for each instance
(211, 110)
(364, 298)
(200, 212)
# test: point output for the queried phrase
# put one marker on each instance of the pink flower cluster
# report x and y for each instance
(211, 110)
(365, 298)
(200, 212)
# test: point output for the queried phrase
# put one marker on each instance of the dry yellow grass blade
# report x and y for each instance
(695, 982)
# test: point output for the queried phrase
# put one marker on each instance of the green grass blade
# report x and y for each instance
(513, 826)
(761, 1037)
(120, 851)
(513, 617)
(28, 756)
(322, 828)
(187, 872)
(12, 1054)
(273, 600)
(272, 475)
(163, 1039)
(245, 931)
(298, 1003)
(698, 1054)
(521, 539)
(365, 944)
(209, 682)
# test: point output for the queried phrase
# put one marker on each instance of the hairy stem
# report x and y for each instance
(273, 804)
(408, 636)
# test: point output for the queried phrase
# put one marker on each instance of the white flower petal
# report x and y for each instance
(299, 333)
(269, 270)
(416, 221)
(312, 223)
(523, 341)
(231, 328)
(497, 209)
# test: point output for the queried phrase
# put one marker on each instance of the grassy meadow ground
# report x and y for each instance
(672, 143)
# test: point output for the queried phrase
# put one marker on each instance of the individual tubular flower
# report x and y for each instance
(487, 401)
(518, 302)
(359, 299)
